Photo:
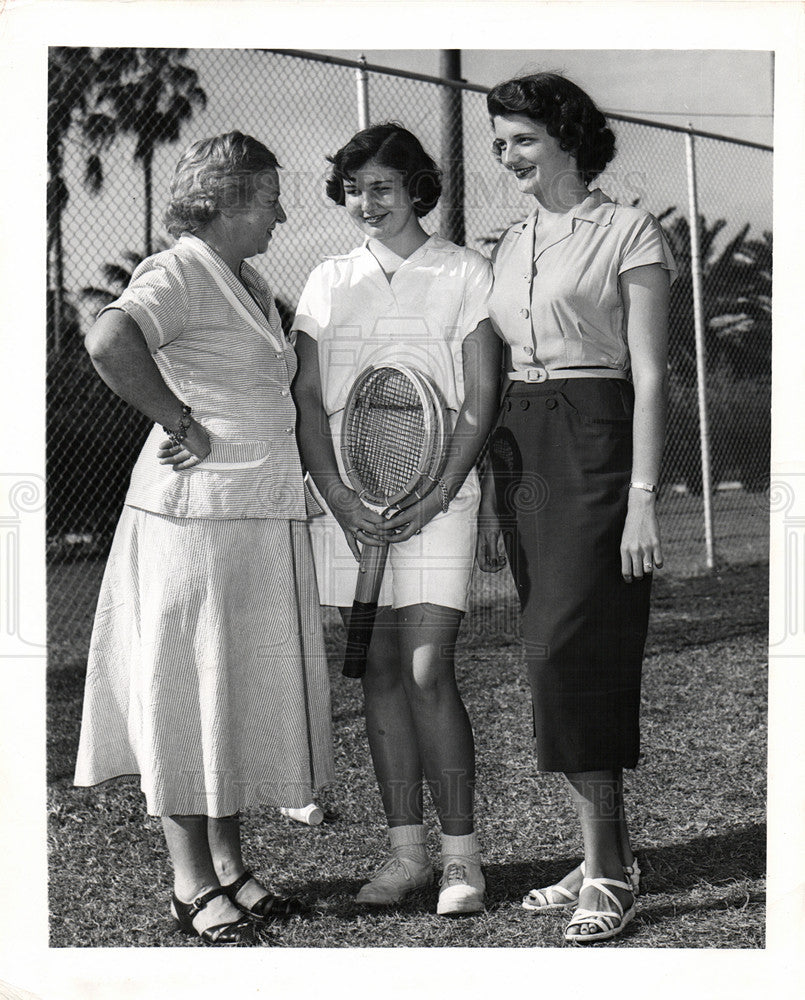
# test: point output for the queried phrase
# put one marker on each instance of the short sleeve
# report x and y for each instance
(157, 300)
(313, 310)
(477, 289)
(648, 245)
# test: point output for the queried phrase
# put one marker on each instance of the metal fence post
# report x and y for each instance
(452, 151)
(362, 82)
(698, 320)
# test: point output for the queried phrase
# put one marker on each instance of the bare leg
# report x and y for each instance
(390, 728)
(193, 869)
(596, 795)
(427, 638)
(572, 881)
(224, 839)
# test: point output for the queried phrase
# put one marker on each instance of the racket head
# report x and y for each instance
(440, 438)
(387, 434)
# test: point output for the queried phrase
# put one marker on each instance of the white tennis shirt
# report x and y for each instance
(420, 317)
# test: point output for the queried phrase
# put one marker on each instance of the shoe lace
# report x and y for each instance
(454, 873)
(390, 867)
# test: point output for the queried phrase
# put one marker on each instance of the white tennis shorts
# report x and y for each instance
(433, 567)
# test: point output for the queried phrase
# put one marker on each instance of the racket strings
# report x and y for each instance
(387, 434)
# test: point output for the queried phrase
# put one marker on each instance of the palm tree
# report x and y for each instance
(115, 277)
(71, 81)
(150, 94)
(736, 300)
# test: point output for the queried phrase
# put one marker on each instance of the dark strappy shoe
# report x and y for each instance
(269, 906)
(235, 932)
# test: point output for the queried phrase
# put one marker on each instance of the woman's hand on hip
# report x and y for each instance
(359, 523)
(641, 552)
(193, 449)
(489, 552)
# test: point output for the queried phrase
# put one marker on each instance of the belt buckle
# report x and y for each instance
(536, 375)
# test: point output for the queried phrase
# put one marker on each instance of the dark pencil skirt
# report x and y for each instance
(562, 457)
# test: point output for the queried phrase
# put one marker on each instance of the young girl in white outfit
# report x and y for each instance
(406, 297)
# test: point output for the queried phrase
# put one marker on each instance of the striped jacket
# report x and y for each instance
(226, 357)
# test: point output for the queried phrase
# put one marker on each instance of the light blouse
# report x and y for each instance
(559, 305)
(419, 317)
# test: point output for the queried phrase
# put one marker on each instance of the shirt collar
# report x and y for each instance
(597, 207)
(433, 242)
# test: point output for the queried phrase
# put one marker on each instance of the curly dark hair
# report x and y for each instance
(394, 147)
(565, 110)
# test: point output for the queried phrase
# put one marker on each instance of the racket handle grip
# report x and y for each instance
(364, 610)
(359, 637)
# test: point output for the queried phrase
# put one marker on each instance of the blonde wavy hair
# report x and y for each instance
(214, 174)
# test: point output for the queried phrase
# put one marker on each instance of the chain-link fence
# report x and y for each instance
(118, 121)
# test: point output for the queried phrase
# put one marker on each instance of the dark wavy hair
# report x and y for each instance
(394, 147)
(565, 110)
(212, 174)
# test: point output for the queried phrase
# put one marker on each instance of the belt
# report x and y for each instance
(543, 374)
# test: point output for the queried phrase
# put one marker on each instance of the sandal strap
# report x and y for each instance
(601, 885)
(541, 895)
(234, 887)
(201, 901)
(604, 920)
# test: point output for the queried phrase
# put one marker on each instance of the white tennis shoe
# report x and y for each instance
(395, 878)
(462, 887)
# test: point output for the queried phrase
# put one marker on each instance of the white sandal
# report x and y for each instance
(633, 873)
(538, 900)
(609, 922)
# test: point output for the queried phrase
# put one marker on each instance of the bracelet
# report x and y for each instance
(647, 487)
(185, 421)
(445, 496)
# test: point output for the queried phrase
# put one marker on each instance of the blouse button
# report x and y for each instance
(527, 277)
(524, 313)
(528, 349)
(278, 356)
(285, 392)
(289, 430)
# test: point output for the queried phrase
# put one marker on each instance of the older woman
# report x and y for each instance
(581, 300)
(207, 672)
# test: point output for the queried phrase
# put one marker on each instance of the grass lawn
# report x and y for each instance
(697, 801)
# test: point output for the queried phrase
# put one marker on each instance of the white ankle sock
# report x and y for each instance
(409, 840)
(466, 846)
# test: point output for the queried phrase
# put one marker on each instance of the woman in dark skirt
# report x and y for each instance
(581, 300)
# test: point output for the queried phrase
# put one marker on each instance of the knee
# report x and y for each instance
(428, 679)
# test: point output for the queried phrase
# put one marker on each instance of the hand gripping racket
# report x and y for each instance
(394, 438)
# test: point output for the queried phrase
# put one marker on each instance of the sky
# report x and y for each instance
(724, 91)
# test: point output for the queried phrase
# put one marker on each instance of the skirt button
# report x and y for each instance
(550, 404)
(523, 404)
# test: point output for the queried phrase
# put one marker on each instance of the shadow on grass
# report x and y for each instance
(718, 861)
(738, 855)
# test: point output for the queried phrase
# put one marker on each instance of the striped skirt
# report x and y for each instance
(207, 674)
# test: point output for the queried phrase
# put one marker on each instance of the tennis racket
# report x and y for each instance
(394, 438)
